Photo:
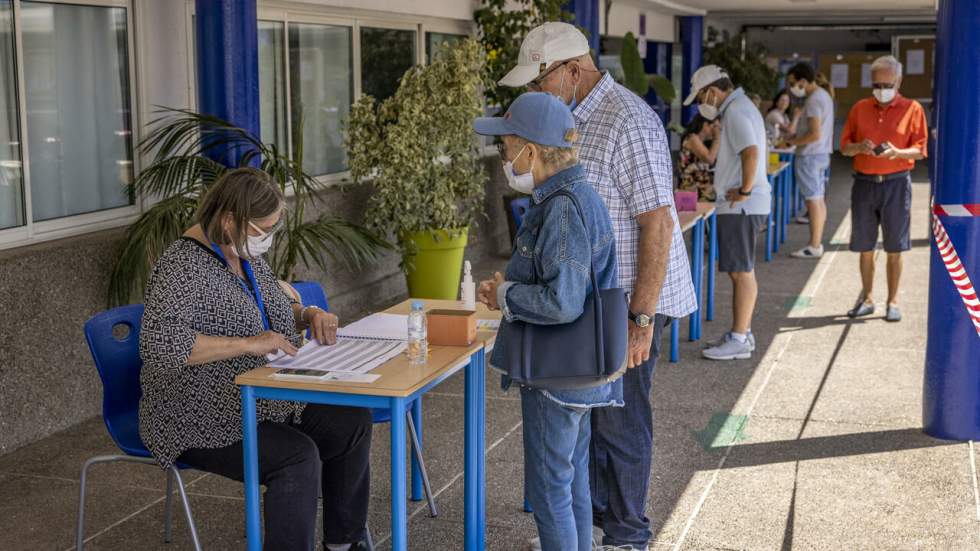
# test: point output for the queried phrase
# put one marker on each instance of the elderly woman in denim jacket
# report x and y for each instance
(547, 282)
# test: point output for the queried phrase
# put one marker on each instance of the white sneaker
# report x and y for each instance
(802, 219)
(721, 340)
(731, 349)
(620, 548)
(597, 533)
(808, 252)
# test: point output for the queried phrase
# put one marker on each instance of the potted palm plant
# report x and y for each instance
(418, 150)
(181, 171)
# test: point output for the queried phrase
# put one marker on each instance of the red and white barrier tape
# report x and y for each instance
(956, 270)
(957, 210)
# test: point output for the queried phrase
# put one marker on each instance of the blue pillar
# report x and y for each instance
(228, 68)
(586, 16)
(951, 391)
(658, 62)
(691, 30)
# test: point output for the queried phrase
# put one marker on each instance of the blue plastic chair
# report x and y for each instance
(518, 208)
(118, 362)
(311, 294)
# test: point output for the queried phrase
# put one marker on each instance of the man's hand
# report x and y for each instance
(891, 152)
(487, 294)
(734, 196)
(640, 341)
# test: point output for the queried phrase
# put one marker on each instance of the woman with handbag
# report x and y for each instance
(564, 255)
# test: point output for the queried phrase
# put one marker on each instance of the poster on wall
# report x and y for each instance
(838, 75)
(865, 75)
(915, 62)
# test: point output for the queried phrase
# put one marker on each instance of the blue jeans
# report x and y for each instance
(621, 455)
(556, 471)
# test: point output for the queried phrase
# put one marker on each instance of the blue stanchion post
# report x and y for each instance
(777, 213)
(586, 15)
(691, 31)
(769, 230)
(475, 477)
(228, 69)
(712, 264)
(250, 447)
(951, 395)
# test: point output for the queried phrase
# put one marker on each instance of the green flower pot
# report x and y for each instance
(433, 271)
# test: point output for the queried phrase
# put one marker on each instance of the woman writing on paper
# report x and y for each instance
(548, 281)
(213, 310)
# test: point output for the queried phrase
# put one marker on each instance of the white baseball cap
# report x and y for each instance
(544, 45)
(702, 78)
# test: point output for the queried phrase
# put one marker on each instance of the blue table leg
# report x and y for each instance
(769, 230)
(474, 475)
(675, 344)
(697, 262)
(776, 211)
(712, 264)
(416, 470)
(399, 514)
(253, 529)
(785, 204)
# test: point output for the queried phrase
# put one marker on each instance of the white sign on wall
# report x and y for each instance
(865, 75)
(838, 75)
(915, 62)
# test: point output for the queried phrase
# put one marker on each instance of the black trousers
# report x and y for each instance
(328, 451)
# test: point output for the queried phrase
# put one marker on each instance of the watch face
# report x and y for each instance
(642, 320)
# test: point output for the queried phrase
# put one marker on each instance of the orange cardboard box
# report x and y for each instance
(451, 327)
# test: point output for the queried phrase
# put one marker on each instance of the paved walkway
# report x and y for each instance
(815, 443)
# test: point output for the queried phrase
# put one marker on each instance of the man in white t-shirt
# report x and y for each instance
(815, 142)
(743, 202)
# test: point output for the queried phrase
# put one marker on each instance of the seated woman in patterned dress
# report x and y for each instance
(699, 149)
(214, 309)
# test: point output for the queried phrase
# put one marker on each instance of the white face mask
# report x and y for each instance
(521, 183)
(256, 245)
(798, 91)
(707, 110)
(884, 95)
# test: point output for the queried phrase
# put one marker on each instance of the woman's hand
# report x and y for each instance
(268, 342)
(487, 293)
(323, 326)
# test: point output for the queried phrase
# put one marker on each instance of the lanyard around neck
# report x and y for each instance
(255, 292)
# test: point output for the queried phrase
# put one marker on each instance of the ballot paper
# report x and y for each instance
(380, 326)
(488, 325)
(349, 355)
(323, 376)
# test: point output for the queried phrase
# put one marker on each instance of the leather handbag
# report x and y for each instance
(586, 353)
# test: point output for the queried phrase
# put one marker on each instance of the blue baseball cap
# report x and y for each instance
(537, 117)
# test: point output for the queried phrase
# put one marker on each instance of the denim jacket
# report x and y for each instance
(548, 276)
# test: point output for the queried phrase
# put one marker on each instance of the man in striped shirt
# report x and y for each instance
(625, 152)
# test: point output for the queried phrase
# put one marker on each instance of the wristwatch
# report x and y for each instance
(641, 320)
(744, 193)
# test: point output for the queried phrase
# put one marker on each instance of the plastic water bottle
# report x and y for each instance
(418, 342)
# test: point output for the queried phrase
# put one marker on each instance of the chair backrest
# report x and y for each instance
(518, 208)
(113, 338)
(311, 294)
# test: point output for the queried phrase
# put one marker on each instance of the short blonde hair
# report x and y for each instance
(557, 157)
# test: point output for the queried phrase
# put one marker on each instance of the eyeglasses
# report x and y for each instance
(535, 85)
(262, 233)
(882, 85)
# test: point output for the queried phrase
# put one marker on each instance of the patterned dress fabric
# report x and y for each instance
(191, 292)
(695, 175)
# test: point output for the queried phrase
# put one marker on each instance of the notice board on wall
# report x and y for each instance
(850, 74)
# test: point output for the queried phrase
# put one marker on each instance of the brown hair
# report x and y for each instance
(244, 193)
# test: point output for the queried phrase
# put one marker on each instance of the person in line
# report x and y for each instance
(699, 149)
(779, 122)
(213, 310)
(743, 200)
(547, 282)
(625, 153)
(814, 144)
(882, 191)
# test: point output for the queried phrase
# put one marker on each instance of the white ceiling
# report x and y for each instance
(805, 11)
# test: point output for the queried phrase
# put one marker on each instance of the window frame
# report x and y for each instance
(77, 224)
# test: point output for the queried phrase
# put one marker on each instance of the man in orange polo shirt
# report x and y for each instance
(885, 134)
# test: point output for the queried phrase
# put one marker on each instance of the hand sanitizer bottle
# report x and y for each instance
(467, 289)
(418, 342)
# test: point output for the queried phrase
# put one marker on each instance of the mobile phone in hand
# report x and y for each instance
(879, 149)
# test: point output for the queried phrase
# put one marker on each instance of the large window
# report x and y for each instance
(76, 73)
(11, 181)
(272, 84)
(66, 116)
(385, 56)
(322, 80)
(434, 42)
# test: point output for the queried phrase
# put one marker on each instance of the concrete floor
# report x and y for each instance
(814, 443)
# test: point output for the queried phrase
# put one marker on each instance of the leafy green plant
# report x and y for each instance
(417, 147)
(181, 173)
(744, 61)
(636, 79)
(502, 28)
